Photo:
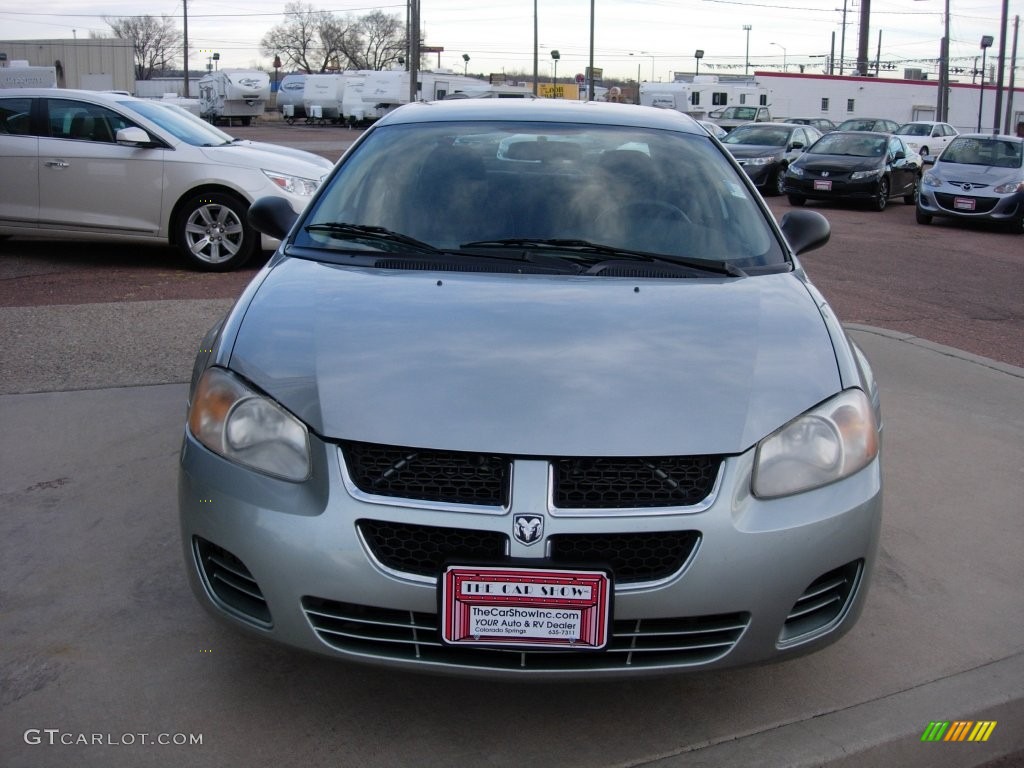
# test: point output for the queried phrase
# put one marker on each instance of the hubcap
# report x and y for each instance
(214, 233)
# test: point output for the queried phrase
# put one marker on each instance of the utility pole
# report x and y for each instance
(414, 49)
(1002, 69)
(184, 8)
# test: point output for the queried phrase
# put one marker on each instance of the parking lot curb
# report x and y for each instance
(884, 732)
(917, 341)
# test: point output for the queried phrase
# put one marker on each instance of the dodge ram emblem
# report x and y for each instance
(527, 529)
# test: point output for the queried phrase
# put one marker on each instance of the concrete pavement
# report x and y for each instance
(103, 641)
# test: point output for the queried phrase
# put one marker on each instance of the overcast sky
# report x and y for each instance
(654, 37)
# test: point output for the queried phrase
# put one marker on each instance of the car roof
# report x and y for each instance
(542, 110)
(98, 97)
(1001, 136)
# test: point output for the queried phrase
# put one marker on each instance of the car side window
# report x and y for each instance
(15, 116)
(82, 121)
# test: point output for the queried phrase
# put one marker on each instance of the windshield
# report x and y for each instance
(452, 184)
(915, 129)
(857, 125)
(756, 135)
(178, 122)
(980, 151)
(854, 145)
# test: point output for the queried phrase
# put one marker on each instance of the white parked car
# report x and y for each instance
(88, 164)
(927, 137)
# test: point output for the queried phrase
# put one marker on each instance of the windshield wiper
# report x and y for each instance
(581, 247)
(343, 231)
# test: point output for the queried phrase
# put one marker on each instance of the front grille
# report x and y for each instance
(449, 477)
(414, 637)
(615, 483)
(981, 204)
(824, 601)
(633, 557)
(422, 549)
(230, 582)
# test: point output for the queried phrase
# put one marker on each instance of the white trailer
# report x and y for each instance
(703, 94)
(18, 74)
(322, 96)
(230, 94)
(289, 94)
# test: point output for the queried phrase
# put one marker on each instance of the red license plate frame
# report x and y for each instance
(541, 608)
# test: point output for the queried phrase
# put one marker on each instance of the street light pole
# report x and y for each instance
(785, 66)
(697, 55)
(986, 43)
(746, 61)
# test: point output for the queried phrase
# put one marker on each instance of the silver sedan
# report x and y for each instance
(512, 399)
(106, 165)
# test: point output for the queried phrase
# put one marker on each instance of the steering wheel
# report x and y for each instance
(649, 208)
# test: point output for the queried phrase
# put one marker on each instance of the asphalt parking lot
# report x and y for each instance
(103, 639)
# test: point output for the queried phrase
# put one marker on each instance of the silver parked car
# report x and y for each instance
(91, 164)
(979, 177)
(534, 388)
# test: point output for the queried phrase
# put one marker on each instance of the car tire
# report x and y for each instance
(777, 183)
(911, 199)
(797, 200)
(213, 233)
(922, 217)
(881, 199)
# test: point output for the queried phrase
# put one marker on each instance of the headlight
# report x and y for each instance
(759, 160)
(828, 443)
(795, 170)
(858, 175)
(244, 426)
(294, 184)
(1013, 186)
(931, 180)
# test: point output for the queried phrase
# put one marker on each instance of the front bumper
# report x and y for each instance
(764, 580)
(944, 202)
(839, 188)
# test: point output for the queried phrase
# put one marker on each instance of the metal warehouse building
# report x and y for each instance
(105, 64)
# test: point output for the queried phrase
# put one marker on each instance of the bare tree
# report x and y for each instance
(156, 42)
(377, 42)
(307, 39)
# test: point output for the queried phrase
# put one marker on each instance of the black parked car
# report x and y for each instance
(765, 150)
(855, 165)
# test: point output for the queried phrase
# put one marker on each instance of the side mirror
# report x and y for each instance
(899, 155)
(805, 230)
(797, 145)
(134, 136)
(273, 216)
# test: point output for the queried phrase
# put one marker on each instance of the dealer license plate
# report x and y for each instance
(964, 203)
(525, 607)
(823, 185)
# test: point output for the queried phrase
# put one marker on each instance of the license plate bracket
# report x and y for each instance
(823, 185)
(542, 608)
(964, 203)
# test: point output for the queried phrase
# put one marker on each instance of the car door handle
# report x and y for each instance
(58, 164)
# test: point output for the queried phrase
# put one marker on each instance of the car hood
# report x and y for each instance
(270, 157)
(816, 162)
(536, 365)
(753, 150)
(977, 174)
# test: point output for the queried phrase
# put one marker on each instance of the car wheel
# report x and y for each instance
(881, 196)
(797, 200)
(213, 233)
(911, 197)
(922, 217)
(777, 183)
(924, 151)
